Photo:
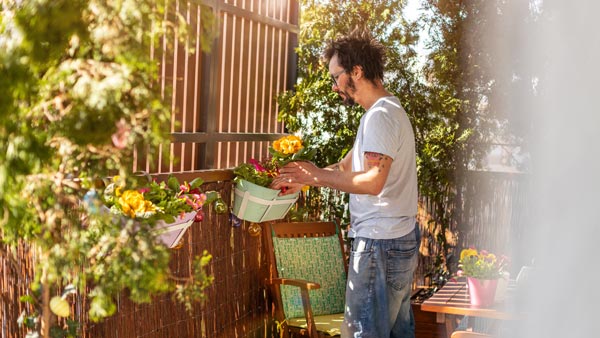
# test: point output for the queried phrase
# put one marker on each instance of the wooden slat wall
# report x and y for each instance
(224, 102)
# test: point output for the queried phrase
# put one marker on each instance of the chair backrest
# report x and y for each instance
(311, 251)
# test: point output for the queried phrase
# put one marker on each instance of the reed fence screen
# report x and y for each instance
(491, 214)
(238, 304)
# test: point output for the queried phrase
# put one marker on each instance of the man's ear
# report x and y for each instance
(357, 72)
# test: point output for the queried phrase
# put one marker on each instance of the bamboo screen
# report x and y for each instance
(493, 215)
(224, 102)
(235, 305)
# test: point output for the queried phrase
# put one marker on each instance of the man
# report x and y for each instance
(380, 175)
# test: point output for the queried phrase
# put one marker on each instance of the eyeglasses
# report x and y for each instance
(334, 77)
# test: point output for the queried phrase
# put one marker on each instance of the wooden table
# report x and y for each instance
(453, 300)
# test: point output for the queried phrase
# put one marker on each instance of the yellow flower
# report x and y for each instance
(288, 144)
(488, 258)
(467, 253)
(60, 307)
(118, 184)
(482, 264)
(132, 203)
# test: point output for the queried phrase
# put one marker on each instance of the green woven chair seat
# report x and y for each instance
(315, 259)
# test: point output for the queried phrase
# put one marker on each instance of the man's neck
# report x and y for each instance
(370, 94)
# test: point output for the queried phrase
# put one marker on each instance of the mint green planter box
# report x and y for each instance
(254, 203)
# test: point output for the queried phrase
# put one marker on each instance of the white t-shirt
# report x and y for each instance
(386, 129)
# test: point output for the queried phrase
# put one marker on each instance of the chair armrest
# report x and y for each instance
(304, 286)
(301, 283)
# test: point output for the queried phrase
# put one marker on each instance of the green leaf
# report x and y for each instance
(101, 307)
(173, 183)
(211, 196)
(196, 183)
(28, 299)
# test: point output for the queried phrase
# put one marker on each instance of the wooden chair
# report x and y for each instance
(307, 277)
(469, 334)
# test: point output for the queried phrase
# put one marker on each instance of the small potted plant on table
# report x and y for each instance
(482, 269)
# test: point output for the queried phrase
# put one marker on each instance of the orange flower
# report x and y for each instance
(288, 144)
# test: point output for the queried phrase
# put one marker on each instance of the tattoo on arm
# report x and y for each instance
(375, 160)
(336, 167)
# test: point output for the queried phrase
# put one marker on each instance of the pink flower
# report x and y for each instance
(257, 165)
(184, 187)
(192, 203)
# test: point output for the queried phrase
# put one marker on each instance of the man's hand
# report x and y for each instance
(294, 176)
(286, 188)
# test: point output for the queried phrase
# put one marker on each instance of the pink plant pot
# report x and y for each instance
(482, 291)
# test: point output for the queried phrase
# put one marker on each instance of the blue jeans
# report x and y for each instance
(380, 276)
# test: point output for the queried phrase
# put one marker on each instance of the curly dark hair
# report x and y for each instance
(358, 48)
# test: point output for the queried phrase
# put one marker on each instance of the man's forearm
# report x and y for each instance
(334, 167)
(352, 182)
(343, 165)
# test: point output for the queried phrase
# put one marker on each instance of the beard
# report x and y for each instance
(347, 100)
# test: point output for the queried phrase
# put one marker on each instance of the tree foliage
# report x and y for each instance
(313, 109)
(447, 98)
(79, 97)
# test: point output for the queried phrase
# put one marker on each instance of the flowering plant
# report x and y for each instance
(284, 150)
(158, 200)
(482, 264)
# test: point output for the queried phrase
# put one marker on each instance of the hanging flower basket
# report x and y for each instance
(255, 203)
(171, 233)
(170, 206)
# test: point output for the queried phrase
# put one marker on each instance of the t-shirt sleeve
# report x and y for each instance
(381, 133)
